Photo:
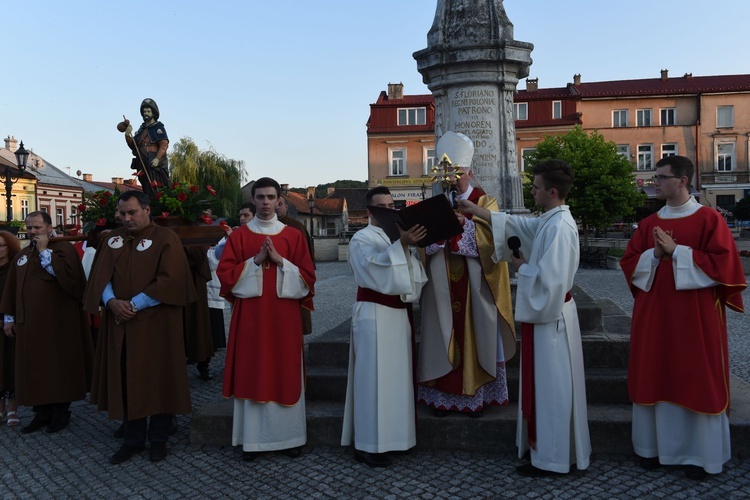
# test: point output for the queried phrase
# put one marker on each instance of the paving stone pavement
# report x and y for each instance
(74, 462)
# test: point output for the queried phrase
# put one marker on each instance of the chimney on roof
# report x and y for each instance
(129, 182)
(330, 190)
(88, 177)
(664, 75)
(395, 91)
(577, 79)
(11, 144)
(310, 192)
(285, 189)
(688, 75)
(532, 84)
(117, 180)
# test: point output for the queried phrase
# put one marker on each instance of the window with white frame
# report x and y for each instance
(428, 160)
(724, 116)
(412, 116)
(667, 116)
(643, 117)
(645, 157)
(60, 217)
(624, 150)
(24, 208)
(397, 161)
(725, 154)
(73, 215)
(669, 150)
(525, 157)
(620, 118)
(521, 111)
(556, 110)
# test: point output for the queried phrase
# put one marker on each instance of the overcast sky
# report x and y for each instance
(286, 86)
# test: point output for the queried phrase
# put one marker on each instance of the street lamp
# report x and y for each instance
(311, 202)
(22, 156)
(424, 190)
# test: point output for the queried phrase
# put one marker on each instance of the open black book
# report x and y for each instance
(435, 214)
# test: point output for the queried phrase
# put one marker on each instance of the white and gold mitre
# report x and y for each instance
(458, 147)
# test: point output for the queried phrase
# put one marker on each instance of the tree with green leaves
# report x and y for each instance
(209, 168)
(604, 188)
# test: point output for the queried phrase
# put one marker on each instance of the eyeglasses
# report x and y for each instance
(659, 178)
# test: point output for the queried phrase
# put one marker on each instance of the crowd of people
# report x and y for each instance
(150, 297)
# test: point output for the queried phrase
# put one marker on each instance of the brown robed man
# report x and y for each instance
(141, 276)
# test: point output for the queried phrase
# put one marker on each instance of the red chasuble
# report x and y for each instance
(264, 353)
(678, 340)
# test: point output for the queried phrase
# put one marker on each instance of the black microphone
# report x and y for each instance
(514, 243)
(452, 196)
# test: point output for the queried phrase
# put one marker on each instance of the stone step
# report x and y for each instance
(602, 349)
(609, 425)
(603, 385)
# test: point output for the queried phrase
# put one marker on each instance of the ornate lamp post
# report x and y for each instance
(311, 202)
(424, 190)
(22, 156)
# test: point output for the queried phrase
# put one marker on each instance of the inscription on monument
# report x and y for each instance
(474, 112)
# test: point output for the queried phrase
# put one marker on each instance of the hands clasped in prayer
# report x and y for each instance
(664, 244)
(268, 252)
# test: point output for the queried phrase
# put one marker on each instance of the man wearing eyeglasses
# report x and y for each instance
(683, 269)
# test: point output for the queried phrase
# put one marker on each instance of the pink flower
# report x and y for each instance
(182, 197)
(193, 189)
(207, 219)
(211, 190)
(164, 215)
(101, 222)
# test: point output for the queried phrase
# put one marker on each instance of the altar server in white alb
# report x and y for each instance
(552, 420)
(379, 413)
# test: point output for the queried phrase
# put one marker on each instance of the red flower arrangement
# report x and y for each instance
(98, 209)
(182, 200)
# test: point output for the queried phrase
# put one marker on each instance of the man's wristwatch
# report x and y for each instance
(133, 307)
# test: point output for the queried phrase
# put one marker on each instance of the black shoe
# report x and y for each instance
(125, 453)
(40, 420)
(371, 459)
(293, 452)
(173, 426)
(119, 432)
(157, 452)
(203, 372)
(529, 470)
(696, 473)
(476, 414)
(58, 422)
(249, 456)
(440, 413)
(649, 463)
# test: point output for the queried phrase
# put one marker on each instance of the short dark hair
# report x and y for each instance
(138, 195)
(375, 191)
(249, 206)
(556, 174)
(264, 182)
(45, 216)
(680, 166)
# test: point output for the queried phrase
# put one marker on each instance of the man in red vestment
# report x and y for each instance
(266, 272)
(683, 268)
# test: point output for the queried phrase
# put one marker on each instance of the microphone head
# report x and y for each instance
(514, 243)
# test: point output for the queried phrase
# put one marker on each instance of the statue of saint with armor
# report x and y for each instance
(149, 146)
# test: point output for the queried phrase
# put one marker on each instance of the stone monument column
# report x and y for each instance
(472, 66)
